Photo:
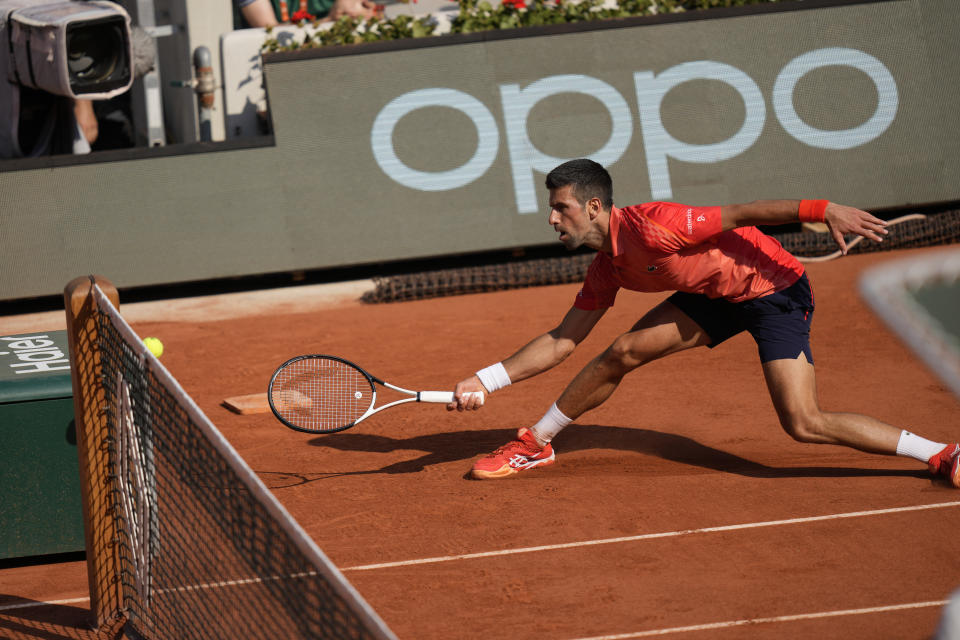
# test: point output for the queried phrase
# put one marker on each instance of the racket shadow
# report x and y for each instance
(467, 445)
(439, 448)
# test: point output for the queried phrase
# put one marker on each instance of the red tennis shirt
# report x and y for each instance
(663, 246)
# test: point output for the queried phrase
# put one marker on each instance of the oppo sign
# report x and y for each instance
(658, 144)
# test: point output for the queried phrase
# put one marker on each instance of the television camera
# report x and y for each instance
(51, 55)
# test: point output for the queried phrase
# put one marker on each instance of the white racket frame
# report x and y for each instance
(436, 397)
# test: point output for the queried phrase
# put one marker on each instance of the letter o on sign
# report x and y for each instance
(381, 139)
(887, 98)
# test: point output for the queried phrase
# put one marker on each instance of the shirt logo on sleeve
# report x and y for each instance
(689, 222)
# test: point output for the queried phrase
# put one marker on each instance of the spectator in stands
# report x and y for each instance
(269, 13)
(86, 118)
(113, 117)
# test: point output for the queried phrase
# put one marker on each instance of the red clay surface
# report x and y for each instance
(688, 442)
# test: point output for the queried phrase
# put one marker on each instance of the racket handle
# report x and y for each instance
(442, 397)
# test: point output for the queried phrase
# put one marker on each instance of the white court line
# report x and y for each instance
(185, 589)
(570, 545)
(652, 632)
(649, 536)
(29, 605)
(793, 618)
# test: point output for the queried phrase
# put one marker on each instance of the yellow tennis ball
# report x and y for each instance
(154, 345)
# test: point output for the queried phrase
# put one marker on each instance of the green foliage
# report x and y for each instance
(480, 15)
(353, 31)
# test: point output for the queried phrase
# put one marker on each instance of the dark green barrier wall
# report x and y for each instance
(440, 147)
(39, 478)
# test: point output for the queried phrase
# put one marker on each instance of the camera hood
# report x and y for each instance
(74, 49)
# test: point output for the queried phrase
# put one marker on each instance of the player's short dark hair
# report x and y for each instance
(589, 180)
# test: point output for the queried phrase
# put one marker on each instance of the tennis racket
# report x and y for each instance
(858, 239)
(324, 394)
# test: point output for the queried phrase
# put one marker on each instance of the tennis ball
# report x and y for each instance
(154, 345)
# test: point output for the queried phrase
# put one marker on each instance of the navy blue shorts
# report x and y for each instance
(779, 322)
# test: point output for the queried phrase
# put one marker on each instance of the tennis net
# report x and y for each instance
(906, 231)
(183, 540)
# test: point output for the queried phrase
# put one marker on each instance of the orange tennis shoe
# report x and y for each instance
(512, 458)
(947, 463)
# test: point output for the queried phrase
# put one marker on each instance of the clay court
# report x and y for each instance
(679, 508)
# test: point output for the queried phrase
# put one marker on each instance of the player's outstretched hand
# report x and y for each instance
(468, 395)
(843, 220)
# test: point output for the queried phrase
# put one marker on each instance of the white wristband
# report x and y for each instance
(494, 377)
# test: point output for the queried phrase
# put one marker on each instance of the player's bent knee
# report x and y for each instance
(624, 353)
(803, 427)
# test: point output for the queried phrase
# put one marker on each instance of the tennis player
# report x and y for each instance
(728, 277)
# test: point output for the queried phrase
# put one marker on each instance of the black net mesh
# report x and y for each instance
(930, 230)
(200, 552)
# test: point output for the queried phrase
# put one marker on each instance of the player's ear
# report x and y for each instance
(594, 207)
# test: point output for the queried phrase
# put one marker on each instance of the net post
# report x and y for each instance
(99, 518)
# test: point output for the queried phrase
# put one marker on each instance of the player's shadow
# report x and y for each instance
(465, 445)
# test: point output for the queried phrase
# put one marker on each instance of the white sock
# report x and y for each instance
(913, 446)
(552, 423)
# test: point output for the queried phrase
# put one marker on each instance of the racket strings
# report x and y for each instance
(321, 394)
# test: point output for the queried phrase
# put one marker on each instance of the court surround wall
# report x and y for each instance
(331, 189)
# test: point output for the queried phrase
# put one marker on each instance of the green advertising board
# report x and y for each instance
(438, 147)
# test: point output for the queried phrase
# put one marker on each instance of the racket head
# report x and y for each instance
(320, 393)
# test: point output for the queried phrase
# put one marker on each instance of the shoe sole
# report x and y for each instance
(506, 470)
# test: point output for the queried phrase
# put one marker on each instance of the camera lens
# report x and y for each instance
(95, 56)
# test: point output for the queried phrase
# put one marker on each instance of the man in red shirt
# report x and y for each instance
(728, 277)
